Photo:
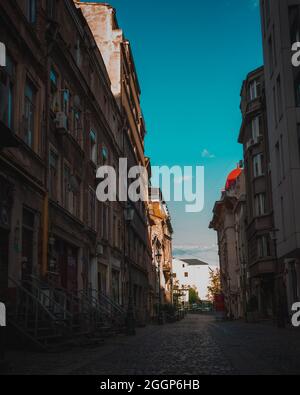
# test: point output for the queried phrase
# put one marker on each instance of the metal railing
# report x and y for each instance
(29, 315)
(42, 310)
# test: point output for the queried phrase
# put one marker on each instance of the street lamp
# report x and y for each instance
(130, 320)
(158, 257)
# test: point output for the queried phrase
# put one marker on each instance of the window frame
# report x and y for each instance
(258, 168)
(57, 189)
(29, 112)
(8, 83)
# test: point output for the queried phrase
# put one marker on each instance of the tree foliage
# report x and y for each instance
(214, 286)
(193, 295)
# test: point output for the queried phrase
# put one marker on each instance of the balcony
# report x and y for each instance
(254, 105)
(263, 266)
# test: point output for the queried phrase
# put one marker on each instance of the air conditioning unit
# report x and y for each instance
(61, 122)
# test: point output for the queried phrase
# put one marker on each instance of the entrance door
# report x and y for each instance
(3, 263)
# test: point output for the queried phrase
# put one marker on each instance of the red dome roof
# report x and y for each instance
(232, 177)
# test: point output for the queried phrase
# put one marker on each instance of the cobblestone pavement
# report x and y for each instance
(198, 345)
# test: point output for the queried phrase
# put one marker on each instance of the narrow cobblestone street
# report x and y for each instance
(198, 345)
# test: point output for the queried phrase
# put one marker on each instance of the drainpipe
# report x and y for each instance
(45, 218)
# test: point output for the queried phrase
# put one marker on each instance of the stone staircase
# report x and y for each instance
(48, 316)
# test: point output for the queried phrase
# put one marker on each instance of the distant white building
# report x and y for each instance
(191, 273)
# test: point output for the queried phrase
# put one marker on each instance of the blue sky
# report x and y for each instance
(191, 58)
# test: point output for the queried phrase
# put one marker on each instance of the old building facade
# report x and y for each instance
(60, 115)
(118, 58)
(69, 104)
(22, 87)
(280, 29)
(260, 259)
(228, 221)
(160, 234)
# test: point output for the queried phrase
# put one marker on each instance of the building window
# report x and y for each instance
(7, 76)
(297, 89)
(263, 243)
(92, 209)
(258, 165)
(65, 100)
(254, 90)
(255, 126)
(51, 9)
(104, 153)
(93, 146)
(31, 11)
(77, 197)
(294, 19)
(260, 204)
(53, 174)
(29, 113)
(186, 274)
(53, 80)
(77, 127)
(54, 85)
(267, 11)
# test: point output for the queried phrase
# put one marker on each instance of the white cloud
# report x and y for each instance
(206, 154)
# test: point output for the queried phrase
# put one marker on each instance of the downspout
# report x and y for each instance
(45, 219)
